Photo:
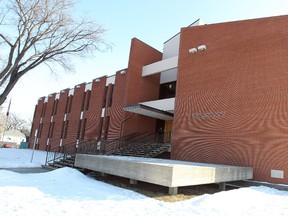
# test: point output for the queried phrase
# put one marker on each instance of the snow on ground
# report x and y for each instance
(66, 191)
(14, 158)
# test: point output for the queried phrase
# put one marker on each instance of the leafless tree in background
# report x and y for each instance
(41, 32)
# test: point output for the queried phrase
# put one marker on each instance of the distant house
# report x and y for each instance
(12, 138)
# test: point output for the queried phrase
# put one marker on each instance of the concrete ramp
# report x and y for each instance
(169, 173)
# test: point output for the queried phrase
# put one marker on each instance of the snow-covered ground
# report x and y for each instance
(68, 192)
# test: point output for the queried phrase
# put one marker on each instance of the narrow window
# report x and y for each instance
(66, 129)
(107, 127)
(70, 103)
(79, 129)
(88, 99)
(83, 101)
(62, 130)
(83, 129)
(43, 110)
(40, 130)
(111, 95)
(66, 106)
(52, 130)
(49, 130)
(105, 96)
(100, 128)
(55, 107)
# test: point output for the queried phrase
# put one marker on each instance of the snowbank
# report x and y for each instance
(68, 192)
(15, 158)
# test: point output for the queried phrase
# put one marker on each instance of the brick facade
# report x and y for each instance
(231, 100)
(230, 105)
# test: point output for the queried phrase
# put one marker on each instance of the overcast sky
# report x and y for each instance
(153, 22)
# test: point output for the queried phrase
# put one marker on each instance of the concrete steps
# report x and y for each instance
(148, 150)
(66, 162)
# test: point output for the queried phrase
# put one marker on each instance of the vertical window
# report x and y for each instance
(66, 129)
(83, 101)
(88, 100)
(105, 96)
(40, 130)
(66, 106)
(62, 130)
(111, 95)
(55, 107)
(70, 103)
(79, 129)
(83, 129)
(43, 110)
(49, 130)
(100, 128)
(107, 127)
(52, 130)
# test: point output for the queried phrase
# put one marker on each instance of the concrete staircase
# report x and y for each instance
(64, 162)
(148, 150)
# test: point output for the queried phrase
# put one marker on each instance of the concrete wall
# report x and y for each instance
(163, 172)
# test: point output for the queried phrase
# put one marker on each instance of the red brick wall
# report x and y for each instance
(58, 119)
(93, 114)
(140, 89)
(231, 100)
(36, 123)
(116, 112)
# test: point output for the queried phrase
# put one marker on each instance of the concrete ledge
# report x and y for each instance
(169, 173)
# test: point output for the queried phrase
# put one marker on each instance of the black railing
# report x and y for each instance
(68, 151)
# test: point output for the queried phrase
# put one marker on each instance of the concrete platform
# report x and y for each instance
(169, 173)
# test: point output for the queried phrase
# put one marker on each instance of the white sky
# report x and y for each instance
(153, 22)
(66, 191)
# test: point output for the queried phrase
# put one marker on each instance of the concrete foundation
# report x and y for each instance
(169, 173)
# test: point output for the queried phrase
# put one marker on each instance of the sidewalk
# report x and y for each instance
(26, 170)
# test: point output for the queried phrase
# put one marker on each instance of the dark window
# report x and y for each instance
(49, 131)
(111, 95)
(55, 107)
(83, 128)
(79, 129)
(105, 96)
(66, 106)
(52, 130)
(70, 103)
(88, 99)
(66, 129)
(83, 101)
(107, 127)
(100, 128)
(40, 130)
(43, 110)
(62, 130)
(167, 90)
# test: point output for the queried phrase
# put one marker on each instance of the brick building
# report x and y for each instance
(230, 104)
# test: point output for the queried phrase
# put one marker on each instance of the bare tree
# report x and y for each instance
(14, 122)
(41, 32)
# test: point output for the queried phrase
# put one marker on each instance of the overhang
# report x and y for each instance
(159, 109)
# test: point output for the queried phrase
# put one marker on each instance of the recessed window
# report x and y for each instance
(167, 90)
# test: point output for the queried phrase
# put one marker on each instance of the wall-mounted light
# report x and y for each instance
(202, 47)
(97, 80)
(123, 72)
(192, 50)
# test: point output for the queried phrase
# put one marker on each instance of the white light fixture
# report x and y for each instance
(192, 50)
(123, 72)
(97, 80)
(202, 47)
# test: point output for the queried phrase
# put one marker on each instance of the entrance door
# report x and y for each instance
(168, 131)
